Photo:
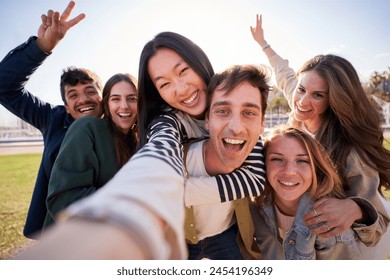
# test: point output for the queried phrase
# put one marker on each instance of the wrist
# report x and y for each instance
(358, 212)
(265, 46)
(44, 46)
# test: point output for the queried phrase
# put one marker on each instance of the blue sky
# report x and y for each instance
(110, 39)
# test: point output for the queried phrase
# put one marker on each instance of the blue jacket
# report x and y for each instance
(53, 121)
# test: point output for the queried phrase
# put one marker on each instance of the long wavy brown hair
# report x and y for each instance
(352, 120)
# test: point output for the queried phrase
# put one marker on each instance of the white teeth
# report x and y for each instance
(86, 109)
(191, 99)
(234, 141)
(302, 110)
(287, 183)
(124, 115)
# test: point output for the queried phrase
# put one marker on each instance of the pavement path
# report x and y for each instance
(21, 148)
(37, 147)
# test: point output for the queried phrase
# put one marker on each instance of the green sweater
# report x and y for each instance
(85, 162)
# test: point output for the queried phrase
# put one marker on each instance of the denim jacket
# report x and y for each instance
(53, 121)
(299, 243)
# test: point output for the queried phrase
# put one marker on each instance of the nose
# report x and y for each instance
(304, 99)
(290, 168)
(84, 98)
(124, 103)
(235, 123)
(181, 87)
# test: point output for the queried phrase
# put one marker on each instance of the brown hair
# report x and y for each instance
(237, 74)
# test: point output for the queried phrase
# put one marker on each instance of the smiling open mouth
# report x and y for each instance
(233, 144)
(192, 98)
(288, 184)
(124, 115)
(86, 109)
(302, 110)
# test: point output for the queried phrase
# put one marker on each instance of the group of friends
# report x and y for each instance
(176, 164)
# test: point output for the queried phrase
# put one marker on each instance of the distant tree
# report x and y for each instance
(279, 104)
(379, 85)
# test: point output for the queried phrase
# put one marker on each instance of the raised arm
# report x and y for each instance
(258, 35)
(285, 76)
(20, 63)
(54, 27)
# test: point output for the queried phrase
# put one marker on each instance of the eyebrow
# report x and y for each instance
(155, 79)
(316, 91)
(87, 87)
(298, 155)
(117, 94)
(224, 103)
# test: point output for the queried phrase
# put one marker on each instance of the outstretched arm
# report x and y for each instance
(72, 240)
(54, 27)
(138, 214)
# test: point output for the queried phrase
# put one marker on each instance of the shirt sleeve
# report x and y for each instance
(286, 78)
(165, 140)
(76, 170)
(363, 181)
(15, 70)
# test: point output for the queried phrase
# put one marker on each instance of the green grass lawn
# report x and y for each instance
(18, 174)
(387, 143)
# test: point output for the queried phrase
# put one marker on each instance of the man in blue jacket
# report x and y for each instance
(80, 91)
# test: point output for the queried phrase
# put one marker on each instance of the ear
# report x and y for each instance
(206, 124)
(262, 125)
(67, 108)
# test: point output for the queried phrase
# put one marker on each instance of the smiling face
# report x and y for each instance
(311, 99)
(177, 83)
(235, 123)
(122, 104)
(83, 100)
(288, 171)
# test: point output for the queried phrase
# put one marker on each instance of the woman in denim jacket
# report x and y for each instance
(299, 171)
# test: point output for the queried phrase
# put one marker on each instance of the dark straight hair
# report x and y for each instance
(125, 144)
(150, 103)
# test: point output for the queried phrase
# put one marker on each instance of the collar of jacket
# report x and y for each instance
(305, 205)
